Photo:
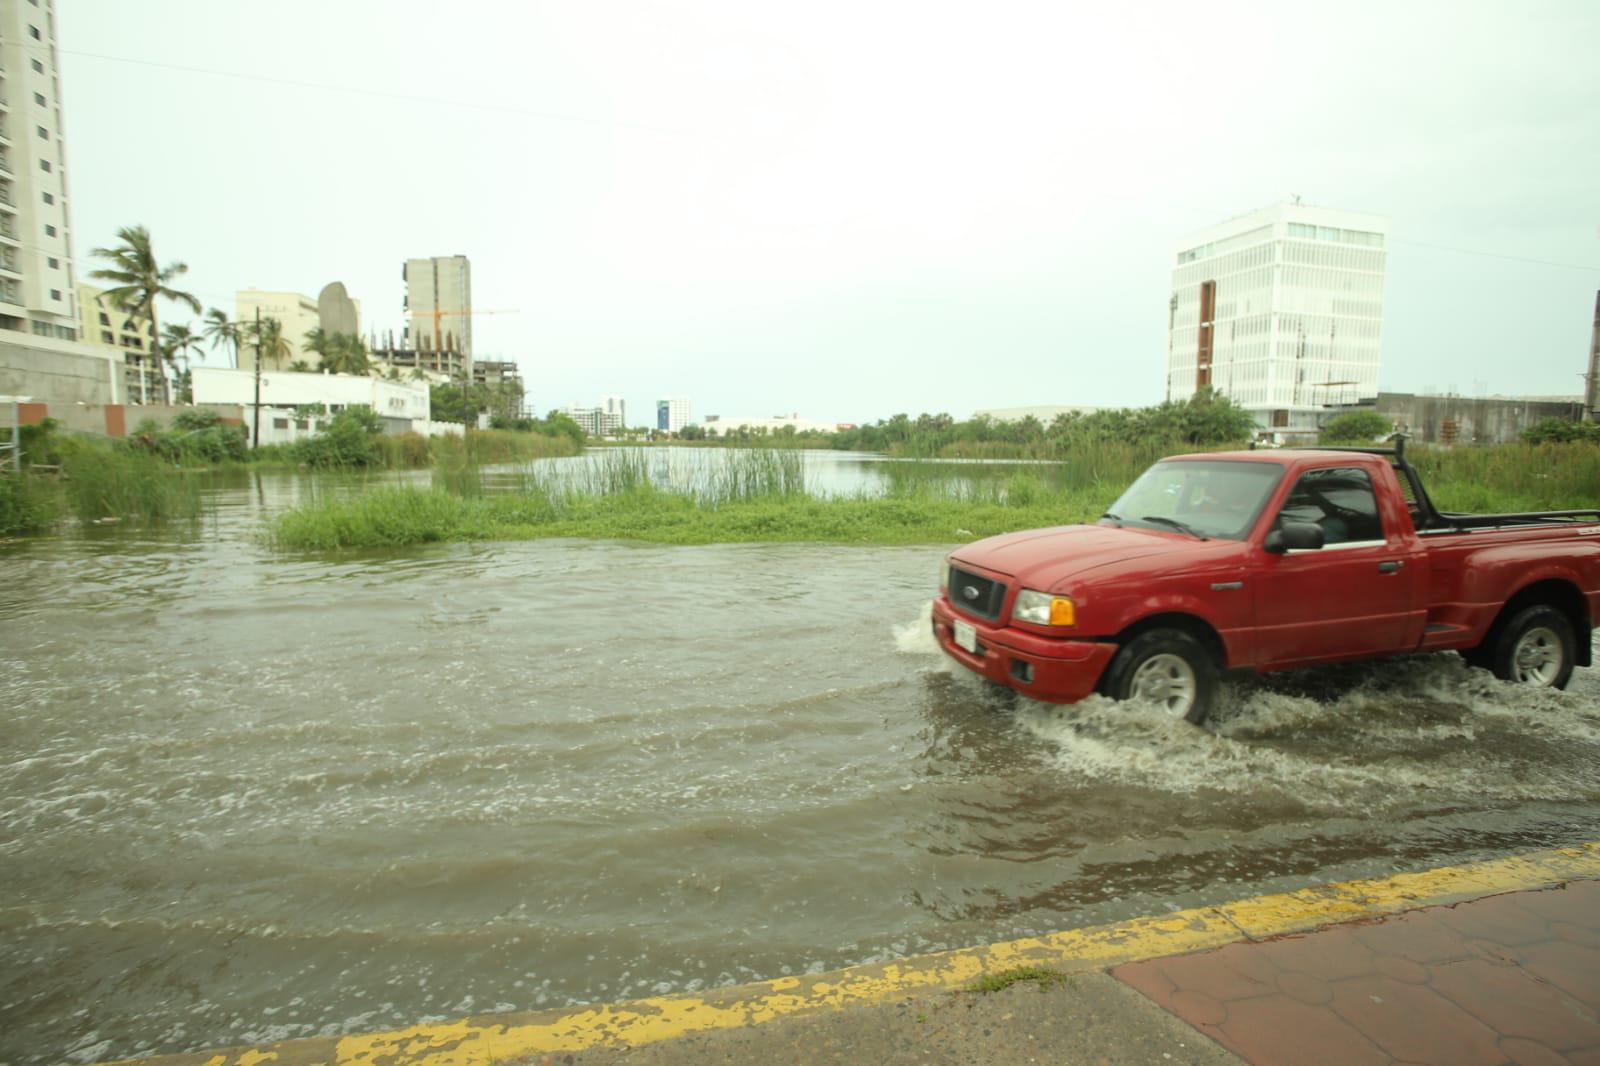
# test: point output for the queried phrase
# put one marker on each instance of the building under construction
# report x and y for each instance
(446, 362)
(439, 304)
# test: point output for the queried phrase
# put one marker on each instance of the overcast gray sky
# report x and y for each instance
(850, 209)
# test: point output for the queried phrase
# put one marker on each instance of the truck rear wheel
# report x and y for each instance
(1167, 668)
(1535, 647)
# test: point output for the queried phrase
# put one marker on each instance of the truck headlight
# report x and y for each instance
(1043, 609)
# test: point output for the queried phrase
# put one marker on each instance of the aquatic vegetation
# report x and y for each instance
(26, 505)
(124, 485)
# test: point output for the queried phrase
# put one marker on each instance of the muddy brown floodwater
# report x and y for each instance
(247, 796)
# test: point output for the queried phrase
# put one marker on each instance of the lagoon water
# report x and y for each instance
(247, 796)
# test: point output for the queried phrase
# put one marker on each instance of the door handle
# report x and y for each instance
(1390, 567)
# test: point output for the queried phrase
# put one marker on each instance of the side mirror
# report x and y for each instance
(1294, 536)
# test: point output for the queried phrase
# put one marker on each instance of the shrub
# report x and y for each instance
(195, 418)
(348, 441)
(196, 436)
(25, 505)
(1561, 431)
(1355, 427)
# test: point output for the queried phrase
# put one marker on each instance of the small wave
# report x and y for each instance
(1383, 737)
(916, 638)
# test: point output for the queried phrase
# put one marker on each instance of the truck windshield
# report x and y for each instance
(1212, 499)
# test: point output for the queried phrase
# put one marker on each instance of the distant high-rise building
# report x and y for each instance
(615, 406)
(439, 304)
(37, 290)
(672, 414)
(297, 314)
(1281, 310)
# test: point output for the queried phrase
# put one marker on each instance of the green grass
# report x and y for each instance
(994, 982)
(395, 516)
(1511, 477)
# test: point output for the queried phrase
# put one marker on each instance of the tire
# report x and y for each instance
(1167, 667)
(1535, 647)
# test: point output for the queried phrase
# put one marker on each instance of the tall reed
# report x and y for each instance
(114, 484)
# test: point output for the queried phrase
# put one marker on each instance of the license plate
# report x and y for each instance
(965, 634)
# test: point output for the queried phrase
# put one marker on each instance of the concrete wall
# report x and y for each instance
(1478, 420)
(59, 373)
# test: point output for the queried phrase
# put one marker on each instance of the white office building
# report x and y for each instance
(1281, 310)
(672, 414)
(439, 304)
(614, 406)
(38, 294)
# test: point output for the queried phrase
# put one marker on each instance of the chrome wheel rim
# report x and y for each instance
(1536, 660)
(1167, 681)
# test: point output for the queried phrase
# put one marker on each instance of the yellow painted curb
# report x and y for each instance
(492, 1038)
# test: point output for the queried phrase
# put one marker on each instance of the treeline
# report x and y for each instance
(1205, 419)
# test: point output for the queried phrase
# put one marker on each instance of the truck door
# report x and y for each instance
(1362, 593)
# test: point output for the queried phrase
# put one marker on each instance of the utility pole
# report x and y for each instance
(1591, 395)
(257, 441)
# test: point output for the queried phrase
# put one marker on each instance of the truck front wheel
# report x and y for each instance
(1534, 647)
(1167, 668)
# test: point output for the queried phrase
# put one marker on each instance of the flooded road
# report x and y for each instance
(247, 796)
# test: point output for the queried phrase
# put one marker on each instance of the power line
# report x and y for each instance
(1495, 255)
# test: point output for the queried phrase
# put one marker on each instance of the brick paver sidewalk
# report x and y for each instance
(1507, 979)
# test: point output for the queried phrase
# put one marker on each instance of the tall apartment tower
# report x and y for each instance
(1281, 310)
(38, 293)
(439, 304)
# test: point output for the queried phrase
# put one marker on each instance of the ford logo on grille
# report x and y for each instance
(970, 591)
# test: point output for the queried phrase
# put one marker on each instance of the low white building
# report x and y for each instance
(402, 405)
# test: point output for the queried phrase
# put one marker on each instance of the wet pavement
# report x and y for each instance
(1507, 979)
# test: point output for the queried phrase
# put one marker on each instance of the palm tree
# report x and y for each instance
(139, 279)
(218, 330)
(353, 356)
(269, 342)
(323, 343)
(177, 341)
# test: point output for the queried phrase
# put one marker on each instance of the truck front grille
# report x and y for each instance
(976, 595)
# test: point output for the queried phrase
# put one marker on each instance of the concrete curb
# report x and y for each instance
(493, 1038)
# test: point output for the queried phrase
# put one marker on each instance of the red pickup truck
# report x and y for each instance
(1267, 560)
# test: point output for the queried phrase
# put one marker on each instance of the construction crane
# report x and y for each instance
(438, 335)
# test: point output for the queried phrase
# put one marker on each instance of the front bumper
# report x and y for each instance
(1041, 668)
